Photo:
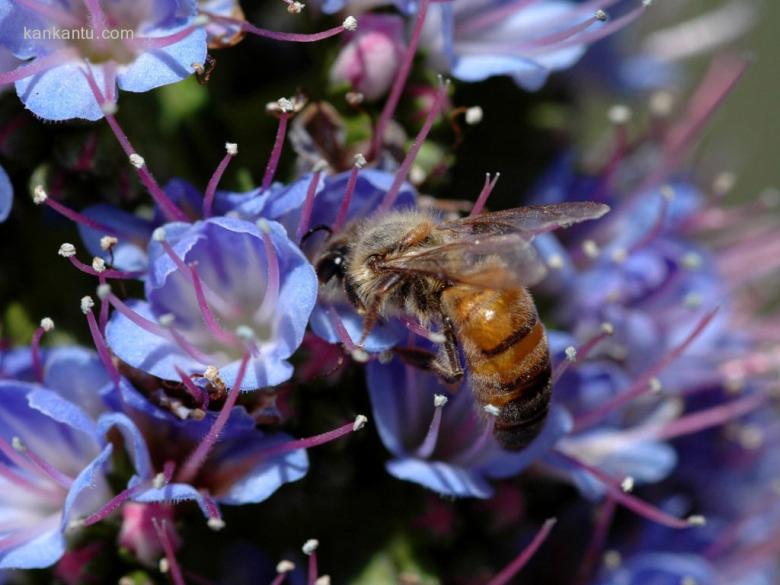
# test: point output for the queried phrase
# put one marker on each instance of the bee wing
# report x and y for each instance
(504, 261)
(527, 221)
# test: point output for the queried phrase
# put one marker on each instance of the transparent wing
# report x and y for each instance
(497, 262)
(527, 221)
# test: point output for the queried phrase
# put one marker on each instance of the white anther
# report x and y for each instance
(109, 108)
(619, 255)
(200, 20)
(158, 235)
(285, 104)
(439, 400)
(697, 520)
(571, 353)
(385, 357)
(491, 409)
(555, 261)
(350, 23)
(295, 7)
(323, 580)
(47, 324)
(662, 103)
(354, 98)
(166, 319)
(245, 333)
(751, 436)
(103, 291)
(619, 114)
(627, 485)
(211, 374)
(320, 165)
(164, 565)
(692, 300)
(137, 160)
(310, 546)
(231, 148)
(654, 384)
(108, 242)
(86, 304)
(126, 581)
(67, 250)
(601, 15)
(607, 328)
(285, 566)
(17, 444)
(692, 260)
(159, 481)
(216, 524)
(724, 183)
(590, 248)
(612, 559)
(360, 355)
(667, 192)
(39, 195)
(98, 264)
(360, 422)
(647, 3)
(360, 160)
(75, 524)
(437, 337)
(263, 225)
(474, 115)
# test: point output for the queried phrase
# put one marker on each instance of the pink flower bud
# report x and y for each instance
(137, 534)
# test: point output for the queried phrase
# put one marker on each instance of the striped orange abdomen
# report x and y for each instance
(507, 355)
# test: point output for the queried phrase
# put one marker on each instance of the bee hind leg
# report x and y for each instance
(445, 363)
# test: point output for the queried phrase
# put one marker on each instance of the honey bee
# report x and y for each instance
(468, 277)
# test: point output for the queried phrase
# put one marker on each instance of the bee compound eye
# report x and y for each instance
(329, 267)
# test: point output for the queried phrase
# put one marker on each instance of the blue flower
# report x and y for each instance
(53, 462)
(439, 439)
(474, 40)
(660, 569)
(6, 195)
(136, 45)
(250, 288)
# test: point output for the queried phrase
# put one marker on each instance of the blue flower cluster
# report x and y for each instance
(663, 376)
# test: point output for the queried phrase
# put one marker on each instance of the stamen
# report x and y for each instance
(655, 230)
(211, 189)
(358, 353)
(406, 165)
(487, 189)
(282, 569)
(68, 251)
(215, 521)
(399, 82)
(104, 304)
(44, 467)
(418, 329)
(161, 528)
(641, 384)
(349, 24)
(582, 354)
(276, 152)
(194, 462)
(40, 197)
(473, 452)
(15, 457)
(506, 575)
(309, 548)
(35, 348)
(341, 218)
(143, 44)
(429, 443)
(208, 316)
(308, 206)
(273, 282)
(162, 200)
(200, 397)
(100, 343)
(599, 539)
(633, 503)
(11, 475)
(39, 65)
(142, 322)
(97, 16)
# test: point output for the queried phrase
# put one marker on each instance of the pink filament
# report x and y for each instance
(487, 189)
(399, 82)
(142, 322)
(582, 355)
(152, 43)
(272, 287)
(208, 316)
(47, 469)
(429, 443)
(199, 396)
(476, 448)
(107, 273)
(655, 230)
(104, 307)
(39, 65)
(406, 165)
(505, 576)
(195, 461)
(632, 503)
(641, 385)
(308, 206)
(97, 16)
(35, 350)
(312, 568)
(16, 458)
(276, 152)
(161, 527)
(211, 188)
(102, 349)
(79, 218)
(341, 331)
(29, 486)
(341, 218)
(275, 35)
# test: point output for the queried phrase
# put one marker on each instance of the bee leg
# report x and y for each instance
(452, 371)
(371, 314)
(445, 363)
